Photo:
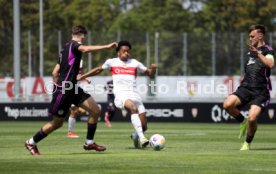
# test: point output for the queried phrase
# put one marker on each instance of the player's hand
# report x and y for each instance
(252, 49)
(153, 66)
(112, 45)
(79, 77)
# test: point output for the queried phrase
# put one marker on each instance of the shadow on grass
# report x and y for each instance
(134, 148)
(264, 149)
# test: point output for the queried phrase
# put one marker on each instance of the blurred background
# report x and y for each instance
(197, 42)
(193, 37)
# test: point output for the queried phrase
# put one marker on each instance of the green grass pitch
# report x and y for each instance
(190, 148)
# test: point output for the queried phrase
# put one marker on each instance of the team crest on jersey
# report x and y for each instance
(251, 61)
(271, 113)
(194, 112)
(60, 112)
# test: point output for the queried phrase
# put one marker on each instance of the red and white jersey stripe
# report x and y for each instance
(124, 73)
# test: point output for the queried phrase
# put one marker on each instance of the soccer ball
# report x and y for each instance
(157, 142)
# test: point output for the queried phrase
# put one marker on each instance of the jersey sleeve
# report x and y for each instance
(59, 59)
(81, 67)
(141, 67)
(270, 54)
(75, 46)
(107, 64)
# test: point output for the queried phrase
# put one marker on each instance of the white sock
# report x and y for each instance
(136, 122)
(71, 124)
(31, 141)
(89, 141)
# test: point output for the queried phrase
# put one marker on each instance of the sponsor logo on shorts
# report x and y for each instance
(271, 113)
(60, 112)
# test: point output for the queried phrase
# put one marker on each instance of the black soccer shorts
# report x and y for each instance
(62, 100)
(253, 96)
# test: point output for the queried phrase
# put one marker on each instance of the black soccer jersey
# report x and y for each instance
(109, 88)
(69, 60)
(256, 73)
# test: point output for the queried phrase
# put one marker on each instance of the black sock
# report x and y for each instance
(249, 138)
(39, 136)
(111, 115)
(240, 118)
(91, 129)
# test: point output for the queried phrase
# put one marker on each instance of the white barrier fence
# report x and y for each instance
(164, 88)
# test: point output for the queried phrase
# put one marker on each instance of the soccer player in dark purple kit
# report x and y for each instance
(255, 87)
(110, 108)
(68, 93)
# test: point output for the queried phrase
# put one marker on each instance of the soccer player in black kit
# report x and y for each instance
(110, 108)
(67, 92)
(254, 88)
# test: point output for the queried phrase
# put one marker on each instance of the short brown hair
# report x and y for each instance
(260, 28)
(79, 29)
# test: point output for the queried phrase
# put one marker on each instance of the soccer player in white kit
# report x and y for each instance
(124, 70)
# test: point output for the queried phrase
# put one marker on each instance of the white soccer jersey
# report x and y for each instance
(124, 74)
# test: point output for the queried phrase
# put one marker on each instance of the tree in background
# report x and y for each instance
(110, 20)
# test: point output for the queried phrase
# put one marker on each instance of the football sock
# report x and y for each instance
(31, 141)
(71, 123)
(111, 115)
(249, 138)
(136, 122)
(38, 136)
(240, 118)
(134, 135)
(106, 117)
(89, 141)
(91, 129)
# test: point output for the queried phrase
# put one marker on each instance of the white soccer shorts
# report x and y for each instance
(121, 98)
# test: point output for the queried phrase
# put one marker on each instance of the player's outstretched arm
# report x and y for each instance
(92, 72)
(91, 48)
(151, 70)
(85, 79)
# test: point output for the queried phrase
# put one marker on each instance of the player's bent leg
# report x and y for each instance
(230, 105)
(136, 122)
(91, 106)
(51, 126)
(144, 121)
(254, 113)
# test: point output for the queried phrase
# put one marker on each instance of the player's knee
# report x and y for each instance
(252, 119)
(133, 110)
(97, 110)
(227, 105)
